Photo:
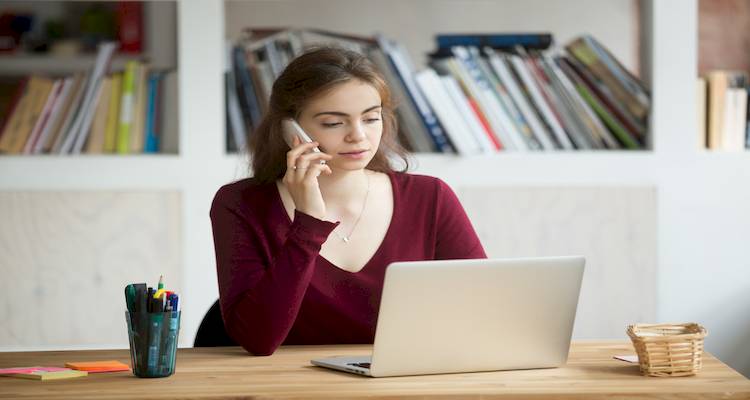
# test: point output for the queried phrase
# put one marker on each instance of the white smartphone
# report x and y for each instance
(291, 128)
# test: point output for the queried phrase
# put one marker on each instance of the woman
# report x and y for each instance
(302, 247)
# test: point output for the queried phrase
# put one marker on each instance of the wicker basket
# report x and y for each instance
(668, 349)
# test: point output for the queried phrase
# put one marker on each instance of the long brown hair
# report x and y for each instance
(307, 76)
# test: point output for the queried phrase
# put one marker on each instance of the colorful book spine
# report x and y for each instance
(152, 136)
(113, 114)
(404, 73)
(497, 40)
(127, 103)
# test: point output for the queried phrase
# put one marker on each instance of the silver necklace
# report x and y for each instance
(364, 203)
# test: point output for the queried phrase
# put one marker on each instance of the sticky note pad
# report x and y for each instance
(42, 374)
(28, 370)
(98, 366)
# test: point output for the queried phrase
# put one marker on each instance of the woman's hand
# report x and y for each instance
(303, 168)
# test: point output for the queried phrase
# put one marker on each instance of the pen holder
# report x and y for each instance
(153, 342)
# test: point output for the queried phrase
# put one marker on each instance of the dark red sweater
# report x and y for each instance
(274, 287)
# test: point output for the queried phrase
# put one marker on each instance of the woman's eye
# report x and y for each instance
(372, 120)
(330, 124)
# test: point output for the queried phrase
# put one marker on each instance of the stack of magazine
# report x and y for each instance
(482, 93)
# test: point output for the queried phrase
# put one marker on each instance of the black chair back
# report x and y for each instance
(211, 332)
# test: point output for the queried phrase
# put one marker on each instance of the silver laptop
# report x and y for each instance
(471, 315)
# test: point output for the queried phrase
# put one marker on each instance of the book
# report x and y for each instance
(113, 113)
(616, 107)
(412, 131)
(441, 102)
(538, 103)
(39, 92)
(10, 93)
(622, 135)
(479, 86)
(735, 117)
(245, 88)
(153, 110)
(719, 84)
(69, 112)
(43, 119)
(700, 112)
(234, 114)
(78, 132)
(98, 131)
(584, 112)
(503, 96)
(589, 54)
(500, 65)
(404, 71)
(554, 93)
(12, 123)
(169, 142)
(469, 114)
(137, 128)
(127, 105)
(495, 40)
(55, 116)
(129, 15)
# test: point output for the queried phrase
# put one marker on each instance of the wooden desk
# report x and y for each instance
(229, 372)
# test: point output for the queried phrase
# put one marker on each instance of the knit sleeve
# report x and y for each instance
(456, 238)
(260, 299)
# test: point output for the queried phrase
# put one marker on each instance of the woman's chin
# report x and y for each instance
(350, 165)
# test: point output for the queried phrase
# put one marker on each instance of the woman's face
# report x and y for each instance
(347, 123)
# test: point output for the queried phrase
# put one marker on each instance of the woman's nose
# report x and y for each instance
(357, 131)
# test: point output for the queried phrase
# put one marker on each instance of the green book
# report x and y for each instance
(625, 138)
(127, 106)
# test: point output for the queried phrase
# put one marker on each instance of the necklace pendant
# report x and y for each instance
(345, 239)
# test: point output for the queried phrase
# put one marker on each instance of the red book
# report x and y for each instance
(485, 124)
(130, 26)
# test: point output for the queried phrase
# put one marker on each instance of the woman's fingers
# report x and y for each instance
(298, 150)
(304, 160)
(309, 158)
(314, 170)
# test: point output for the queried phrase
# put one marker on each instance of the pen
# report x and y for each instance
(130, 297)
(140, 304)
(161, 282)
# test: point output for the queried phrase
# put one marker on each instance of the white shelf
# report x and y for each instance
(84, 172)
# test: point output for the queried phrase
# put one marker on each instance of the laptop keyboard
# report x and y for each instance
(360, 365)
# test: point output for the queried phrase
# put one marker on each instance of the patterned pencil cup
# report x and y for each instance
(668, 349)
(153, 342)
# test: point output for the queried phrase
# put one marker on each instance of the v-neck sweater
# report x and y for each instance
(274, 286)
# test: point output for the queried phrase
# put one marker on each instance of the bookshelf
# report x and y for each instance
(700, 202)
(59, 55)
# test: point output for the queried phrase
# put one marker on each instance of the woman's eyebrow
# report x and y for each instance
(341, 114)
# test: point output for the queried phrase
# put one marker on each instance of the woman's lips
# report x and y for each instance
(355, 155)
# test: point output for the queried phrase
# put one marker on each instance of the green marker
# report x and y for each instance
(130, 297)
(161, 282)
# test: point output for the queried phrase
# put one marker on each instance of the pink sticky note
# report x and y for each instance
(28, 370)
